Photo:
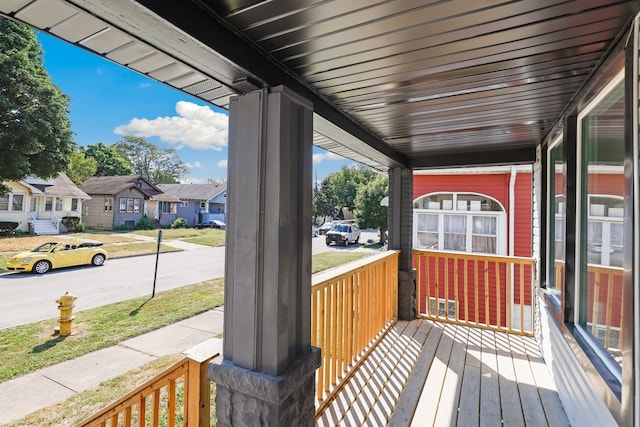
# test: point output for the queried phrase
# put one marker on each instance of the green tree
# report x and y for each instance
(81, 167)
(342, 186)
(156, 164)
(339, 190)
(109, 161)
(35, 134)
(369, 213)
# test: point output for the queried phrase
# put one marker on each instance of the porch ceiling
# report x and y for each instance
(401, 82)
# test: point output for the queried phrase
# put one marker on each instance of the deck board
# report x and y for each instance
(426, 373)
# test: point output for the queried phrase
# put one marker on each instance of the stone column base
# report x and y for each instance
(248, 398)
(407, 295)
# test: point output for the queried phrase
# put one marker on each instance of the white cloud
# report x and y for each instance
(195, 165)
(222, 164)
(319, 157)
(195, 126)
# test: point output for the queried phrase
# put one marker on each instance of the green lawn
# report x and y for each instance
(29, 347)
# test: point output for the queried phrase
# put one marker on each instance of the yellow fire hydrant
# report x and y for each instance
(65, 305)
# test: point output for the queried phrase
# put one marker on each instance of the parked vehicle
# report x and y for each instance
(212, 223)
(343, 234)
(324, 228)
(57, 255)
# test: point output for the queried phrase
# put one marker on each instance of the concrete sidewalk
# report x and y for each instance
(37, 390)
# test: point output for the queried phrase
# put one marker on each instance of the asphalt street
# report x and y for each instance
(26, 298)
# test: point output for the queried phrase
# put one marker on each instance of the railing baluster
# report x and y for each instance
(499, 296)
(607, 332)
(595, 311)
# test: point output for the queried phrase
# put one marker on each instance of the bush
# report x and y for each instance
(179, 223)
(145, 224)
(71, 223)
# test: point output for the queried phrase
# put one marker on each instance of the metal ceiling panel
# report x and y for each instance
(78, 27)
(46, 13)
(11, 6)
(150, 63)
(106, 40)
(130, 53)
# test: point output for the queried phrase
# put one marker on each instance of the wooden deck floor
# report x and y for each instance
(426, 373)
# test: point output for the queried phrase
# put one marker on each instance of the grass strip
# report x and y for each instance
(26, 348)
(326, 260)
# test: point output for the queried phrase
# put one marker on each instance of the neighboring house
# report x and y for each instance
(118, 201)
(199, 202)
(38, 205)
(481, 210)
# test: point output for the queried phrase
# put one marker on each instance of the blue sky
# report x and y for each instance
(109, 101)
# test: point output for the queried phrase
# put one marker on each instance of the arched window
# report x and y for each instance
(465, 222)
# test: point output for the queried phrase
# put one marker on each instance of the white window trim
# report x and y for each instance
(501, 221)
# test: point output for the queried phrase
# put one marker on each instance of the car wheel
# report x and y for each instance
(97, 260)
(42, 267)
(358, 240)
(346, 243)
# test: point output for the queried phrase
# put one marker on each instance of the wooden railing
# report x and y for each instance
(604, 303)
(179, 395)
(486, 291)
(352, 307)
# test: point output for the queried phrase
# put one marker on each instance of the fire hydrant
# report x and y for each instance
(65, 305)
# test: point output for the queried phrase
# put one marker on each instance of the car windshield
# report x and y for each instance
(45, 247)
(342, 228)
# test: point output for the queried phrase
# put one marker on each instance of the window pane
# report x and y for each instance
(455, 232)
(18, 202)
(136, 205)
(129, 205)
(601, 213)
(123, 204)
(557, 220)
(4, 203)
(48, 204)
(427, 231)
(483, 239)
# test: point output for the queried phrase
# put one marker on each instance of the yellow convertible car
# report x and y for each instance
(56, 255)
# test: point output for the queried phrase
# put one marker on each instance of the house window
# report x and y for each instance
(600, 218)
(48, 204)
(203, 205)
(557, 175)
(17, 204)
(165, 207)
(459, 222)
(129, 205)
(12, 203)
(58, 203)
(108, 204)
(74, 204)
(184, 204)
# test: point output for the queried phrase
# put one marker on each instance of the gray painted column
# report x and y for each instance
(268, 373)
(401, 238)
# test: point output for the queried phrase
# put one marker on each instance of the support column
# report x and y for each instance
(401, 237)
(268, 373)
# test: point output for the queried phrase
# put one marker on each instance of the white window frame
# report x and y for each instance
(501, 221)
